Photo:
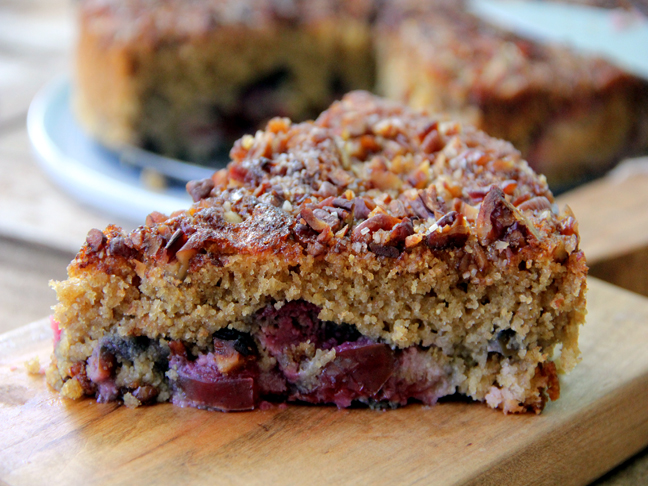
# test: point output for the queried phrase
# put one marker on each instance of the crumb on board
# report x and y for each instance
(33, 367)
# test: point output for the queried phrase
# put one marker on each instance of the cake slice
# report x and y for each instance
(188, 78)
(372, 256)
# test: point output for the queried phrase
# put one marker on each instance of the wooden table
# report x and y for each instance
(41, 228)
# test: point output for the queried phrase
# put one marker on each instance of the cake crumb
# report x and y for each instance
(33, 366)
(72, 389)
(130, 401)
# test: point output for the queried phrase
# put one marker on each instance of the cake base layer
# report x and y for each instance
(291, 356)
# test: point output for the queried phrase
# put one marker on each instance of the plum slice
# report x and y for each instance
(223, 393)
(359, 370)
(223, 380)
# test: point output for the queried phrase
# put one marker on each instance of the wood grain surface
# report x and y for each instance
(600, 419)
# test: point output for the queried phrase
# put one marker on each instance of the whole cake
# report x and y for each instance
(375, 255)
(188, 77)
(570, 115)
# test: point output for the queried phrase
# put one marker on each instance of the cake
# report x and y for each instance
(570, 115)
(373, 256)
(188, 78)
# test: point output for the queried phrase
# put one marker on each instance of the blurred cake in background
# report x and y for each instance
(571, 116)
(187, 78)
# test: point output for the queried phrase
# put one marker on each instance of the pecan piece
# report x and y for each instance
(400, 232)
(320, 219)
(496, 215)
(343, 202)
(327, 189)
(360, 208)
(95, 239)
(155, 218)
(375, 223)
(432, 201)
(384, 250)
(340, 177)
(397, 208)
(432, 142)
(537, 203)
(451, 232)
(118, 246)
(200, 189)
(419, 209)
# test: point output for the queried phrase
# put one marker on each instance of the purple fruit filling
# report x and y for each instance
(293, 356)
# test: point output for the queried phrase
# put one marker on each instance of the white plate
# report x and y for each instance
(93, 174)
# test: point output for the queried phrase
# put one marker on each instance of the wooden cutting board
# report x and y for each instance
(600, 419)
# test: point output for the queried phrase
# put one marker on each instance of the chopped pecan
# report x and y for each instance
(413, 240)
(360, 208)
(95, 239)
(451, 232)
(304, 234)
(496, 215)
(220, 177)
(341, 213)
(568, 226)
(342, 202)
(174, 240)
(319, 219)
(384, 250)
(78, 371)
(118, 246)
(520, 199)
(155, 218)
(340, 177)
(478, 193)
(418, 178)
(427, 128)
(400, 232)
(447, 219)
(375, 223)
(432, 142)
(326, 202)
(200, 189)
(325, 236)
(537, 203)
(385, 180)
(419, 209)
(342, 233)
(101, 365)
(327, 189)
(397, 208)
(477, 157)
(509, 186)
(432, 201)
